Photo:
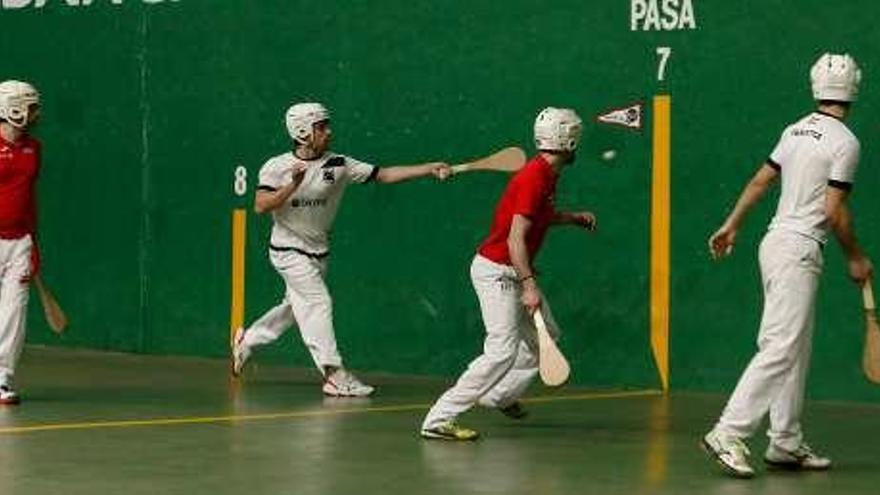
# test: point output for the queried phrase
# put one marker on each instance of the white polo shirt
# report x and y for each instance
(304, 222)
(813, 153)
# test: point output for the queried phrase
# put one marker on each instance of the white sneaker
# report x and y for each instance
(802, 458)
(240, 353)
(8, 396)
(342, 383)
(730, 453)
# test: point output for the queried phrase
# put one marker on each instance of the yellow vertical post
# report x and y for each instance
(236, 317)
(660, 235)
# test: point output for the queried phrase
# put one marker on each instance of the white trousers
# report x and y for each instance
(15, 265)
(775, 379)
(509, 362)
(306, 303)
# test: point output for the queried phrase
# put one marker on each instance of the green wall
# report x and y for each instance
(148, 109)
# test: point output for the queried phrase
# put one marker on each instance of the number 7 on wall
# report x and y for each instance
(664, 52)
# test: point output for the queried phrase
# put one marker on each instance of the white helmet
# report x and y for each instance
(301, 118)
(16, 99)
(557, 129)
(835, 77)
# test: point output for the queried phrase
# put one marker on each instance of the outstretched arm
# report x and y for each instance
(583, 219)
(401, 173)
(722, 241)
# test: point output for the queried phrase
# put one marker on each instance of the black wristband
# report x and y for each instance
(523, 279)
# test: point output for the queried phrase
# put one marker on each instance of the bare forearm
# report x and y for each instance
(841, 224)
(752, 193)
(564, 218)
(519, 258)
(519, 252)
(401, 173)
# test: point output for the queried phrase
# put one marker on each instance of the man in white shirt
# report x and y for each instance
(302, 190)
(816, 158)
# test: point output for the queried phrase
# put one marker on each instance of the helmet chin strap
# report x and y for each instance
(18, 116)
(9, 131)
(19, 123)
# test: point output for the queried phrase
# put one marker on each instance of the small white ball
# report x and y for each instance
(609, 155)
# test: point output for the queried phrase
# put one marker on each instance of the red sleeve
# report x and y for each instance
(529, 195)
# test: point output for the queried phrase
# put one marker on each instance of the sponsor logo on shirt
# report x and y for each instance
(328, 176)
(807, 133)
(308, 203)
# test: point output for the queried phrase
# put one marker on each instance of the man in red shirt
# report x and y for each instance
(19, 166)
(505, 281)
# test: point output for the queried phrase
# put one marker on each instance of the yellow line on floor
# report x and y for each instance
(288, 415)
(596, 396)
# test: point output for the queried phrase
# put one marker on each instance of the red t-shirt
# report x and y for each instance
(19, 167)
(530, 193)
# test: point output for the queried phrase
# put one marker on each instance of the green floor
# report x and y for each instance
(96, 423)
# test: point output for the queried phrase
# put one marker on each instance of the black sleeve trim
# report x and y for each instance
(772, 164)
(373, 174)
(846, 186)
(266, 188)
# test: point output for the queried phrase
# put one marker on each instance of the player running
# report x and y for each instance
(505, 280)
(302, 190)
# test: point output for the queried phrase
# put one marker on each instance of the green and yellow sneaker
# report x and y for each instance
(450, 431)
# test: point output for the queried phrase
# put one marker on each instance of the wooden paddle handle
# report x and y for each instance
(868, 296)
(871, 355)
(540, 323)
(54, 314)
